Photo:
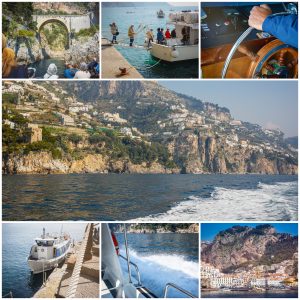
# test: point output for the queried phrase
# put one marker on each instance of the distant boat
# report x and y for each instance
(48, 251)
(160, 14)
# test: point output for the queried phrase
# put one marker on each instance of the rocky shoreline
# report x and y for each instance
(145, 229)
(44, 163)
(29, 50)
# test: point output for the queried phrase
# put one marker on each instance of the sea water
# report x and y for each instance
(163, 258)
(138, 56)
(155, 197)
(42, 67)
(17, 240)
(251, 294)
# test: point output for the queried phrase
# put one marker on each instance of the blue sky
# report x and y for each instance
(269, 103)
(209, 230)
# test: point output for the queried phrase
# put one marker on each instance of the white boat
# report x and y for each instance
(115, 284)
(186, 44)
(160, 14)
(48, 252)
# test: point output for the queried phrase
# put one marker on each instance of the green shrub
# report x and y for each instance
(43, 146)
(25, 33)
(75, 138)
(87, 31)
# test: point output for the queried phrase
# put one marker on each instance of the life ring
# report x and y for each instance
(116, 244)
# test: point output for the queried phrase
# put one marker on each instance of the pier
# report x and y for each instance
(112, 60)
(78, 277)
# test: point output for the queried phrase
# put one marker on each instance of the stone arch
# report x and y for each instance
(55, 20)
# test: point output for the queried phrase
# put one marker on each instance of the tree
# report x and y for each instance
(75, 138)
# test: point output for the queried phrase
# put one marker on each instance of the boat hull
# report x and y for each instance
(39, 266)
(166, 53)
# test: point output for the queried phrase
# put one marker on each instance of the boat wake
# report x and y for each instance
(269, 202)
(157, 270)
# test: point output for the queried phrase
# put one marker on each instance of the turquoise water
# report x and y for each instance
(139, 56)
(17, 241)
(174, 256)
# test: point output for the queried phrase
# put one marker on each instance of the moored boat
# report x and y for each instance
(183, 45)
(48, 251)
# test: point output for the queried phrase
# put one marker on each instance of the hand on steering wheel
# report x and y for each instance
(258, 14)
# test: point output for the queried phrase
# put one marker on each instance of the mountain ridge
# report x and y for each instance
(242, 247)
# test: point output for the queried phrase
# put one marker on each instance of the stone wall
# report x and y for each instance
(72, 22)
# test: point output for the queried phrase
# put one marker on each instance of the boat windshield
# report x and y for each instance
(45, 243)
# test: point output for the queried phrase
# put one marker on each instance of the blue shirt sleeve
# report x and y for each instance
(284, 27)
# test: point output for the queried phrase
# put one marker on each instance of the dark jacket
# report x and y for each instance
(20, 71)
(284, 27)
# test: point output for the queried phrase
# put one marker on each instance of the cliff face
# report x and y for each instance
(44, 163)
(158, 228)
(198, 153)
(241, 247)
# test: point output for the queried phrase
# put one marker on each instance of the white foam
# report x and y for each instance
(276, 202)
(158, 269)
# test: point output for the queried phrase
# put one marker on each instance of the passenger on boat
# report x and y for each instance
(160, 36)
(70, 71)
(168, 34)
(83, 72)
(51, 72)
(185, 35)
(131, 34)
(173, 34)
(10, 68)
(283, 27)
(150, 36)
(114, 31)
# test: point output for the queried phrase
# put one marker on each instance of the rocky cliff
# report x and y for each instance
(44, 163)
(158, 228)
(84, 49)
(243, 247)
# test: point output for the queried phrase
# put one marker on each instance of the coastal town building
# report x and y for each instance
(211, 277)
(66, 120)
(33, 133)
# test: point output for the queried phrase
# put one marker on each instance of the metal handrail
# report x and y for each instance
(8, 294)
(136, 269)
(177, 288)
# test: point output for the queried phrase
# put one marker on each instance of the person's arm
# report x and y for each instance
(284, 27)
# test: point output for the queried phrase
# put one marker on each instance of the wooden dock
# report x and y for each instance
(112, 60)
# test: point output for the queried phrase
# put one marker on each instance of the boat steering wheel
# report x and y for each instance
(274, 60)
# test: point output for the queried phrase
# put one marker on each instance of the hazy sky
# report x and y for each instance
(35, 229)
(269, 103)
(209, 230)
(183, 3)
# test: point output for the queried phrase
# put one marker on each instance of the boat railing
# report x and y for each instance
(10, 294)
(136, 269)
(178, 288)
